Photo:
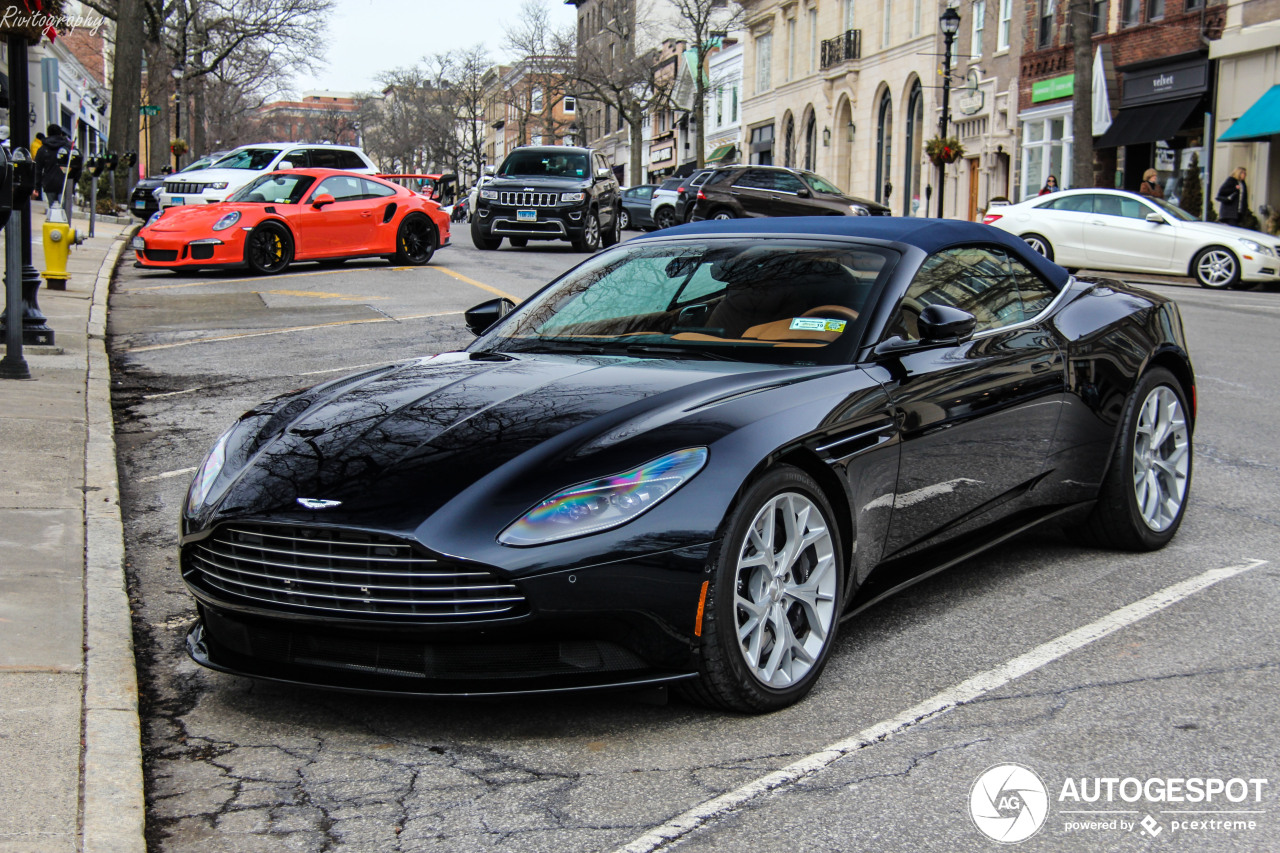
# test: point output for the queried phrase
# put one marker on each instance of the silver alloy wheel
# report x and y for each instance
(1037, 245)
(1161, 458)
(624, 220)
(1216, 268)
(591, 232)
(784, 590)
(723, 214)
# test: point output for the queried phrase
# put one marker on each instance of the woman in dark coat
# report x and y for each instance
(49, 174)
(1233, 197)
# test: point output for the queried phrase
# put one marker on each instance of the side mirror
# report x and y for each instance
(803, 194)
(321, 200)
(285, 164)
(944, 324)
(482, 317)
(1157, 218)
(603, 173)
(490, 170)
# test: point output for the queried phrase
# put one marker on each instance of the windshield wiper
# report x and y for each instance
(679, 352)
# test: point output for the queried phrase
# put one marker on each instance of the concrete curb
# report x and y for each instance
(113, 804)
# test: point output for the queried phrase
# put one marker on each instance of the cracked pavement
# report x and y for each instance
(234, 765)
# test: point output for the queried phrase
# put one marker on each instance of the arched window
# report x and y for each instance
(789, 144)
(884, 148)
(811, 142)
(914, 149)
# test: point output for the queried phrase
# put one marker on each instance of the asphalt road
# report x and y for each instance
(1076, 664)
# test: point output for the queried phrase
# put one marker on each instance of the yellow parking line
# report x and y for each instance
(262, 278)
(471, 281)
(176, 344)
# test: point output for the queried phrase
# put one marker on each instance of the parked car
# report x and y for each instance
(662, 207)
(242, 165)
(1102, 229)
(735, 192)
(687, 193)
(143, 201)
(635, 207)
(549, 192)
(684, 462)
(324, 215)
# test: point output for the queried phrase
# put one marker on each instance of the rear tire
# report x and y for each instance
(775, 596)
(624, 220)
(415, 240)
(723, 213)
(518, 242)
(613, 235)
(665, 217)
(1144, 496)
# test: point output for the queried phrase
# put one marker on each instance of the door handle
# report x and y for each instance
(366, 215)
(1097, 222)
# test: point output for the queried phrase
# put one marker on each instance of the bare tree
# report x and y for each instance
(1081, 25)
(126, 79)
(469, 109)
(545, 58)
(702, 25)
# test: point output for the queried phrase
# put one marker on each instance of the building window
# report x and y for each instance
(762, 145)
(1130, 13)
(1099, 16)
(720, 106)
(1006, 20)
(813, 40)
(848, 15)
(570, 104)
(917, 16)
(979, 22)
(1046, 150)
(1194, 4)
(733, 113)
(764, 62)
(789, 144)
(884, 148)
(914, 149)
(885, 22)
(811, 143)
(535, 100)
(1155, 9)
(1044, 24)
(791, 48)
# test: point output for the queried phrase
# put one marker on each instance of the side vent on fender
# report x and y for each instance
(268, 209)
(388, 213)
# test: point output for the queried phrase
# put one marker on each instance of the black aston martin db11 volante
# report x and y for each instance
(686, 461)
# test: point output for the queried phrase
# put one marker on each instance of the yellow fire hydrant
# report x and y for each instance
(58, 238)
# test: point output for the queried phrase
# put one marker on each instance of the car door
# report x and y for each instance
(1118, 235)
(1060, 219)
(977, 417)
(752, 191)
(340, 228)
(790, 196)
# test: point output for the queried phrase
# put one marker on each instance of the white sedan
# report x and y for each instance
(1116, 230)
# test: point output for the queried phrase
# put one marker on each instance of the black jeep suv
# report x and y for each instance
(549, 192)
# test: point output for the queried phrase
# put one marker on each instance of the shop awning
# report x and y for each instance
(724, 152)
(1149, 122)
(1260, 121)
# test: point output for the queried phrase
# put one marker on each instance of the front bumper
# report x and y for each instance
(546, 223)
(1257, 268)
(171, 250)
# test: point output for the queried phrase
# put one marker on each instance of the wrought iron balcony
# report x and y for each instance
(847, 45)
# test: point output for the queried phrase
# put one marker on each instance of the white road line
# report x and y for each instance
(170, 394)
(167, 474)
(934, 706)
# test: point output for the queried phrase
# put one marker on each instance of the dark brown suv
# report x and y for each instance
(737, 192)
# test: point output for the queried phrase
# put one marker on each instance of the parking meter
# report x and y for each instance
(6, 187)
(113, 160)
(128, 159)
(97, 165)
(75, 167)
(24, 173)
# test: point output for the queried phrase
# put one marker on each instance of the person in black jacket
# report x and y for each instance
(1233, 197)
(49, 174)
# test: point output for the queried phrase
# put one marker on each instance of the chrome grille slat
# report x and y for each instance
(343, 571)
(529, 199)
(184, 187)
(323, 582)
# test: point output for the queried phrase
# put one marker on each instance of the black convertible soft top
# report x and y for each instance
(930, 235)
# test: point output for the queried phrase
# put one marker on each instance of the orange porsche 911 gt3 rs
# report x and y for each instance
(322, 215)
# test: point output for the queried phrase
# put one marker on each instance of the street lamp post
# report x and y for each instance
(950, 24)
(178, 71)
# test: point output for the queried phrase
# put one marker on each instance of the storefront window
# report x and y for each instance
(1046, 149)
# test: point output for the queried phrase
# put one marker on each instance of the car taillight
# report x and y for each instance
(702, 196)
(680, 189)
(991, 217)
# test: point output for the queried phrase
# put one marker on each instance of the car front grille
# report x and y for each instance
(183, 187)
(349, 572)
(524, 199)
(161, 255)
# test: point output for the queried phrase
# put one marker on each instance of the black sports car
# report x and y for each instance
(686, 461)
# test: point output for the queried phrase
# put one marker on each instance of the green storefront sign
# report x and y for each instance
(1054, 87)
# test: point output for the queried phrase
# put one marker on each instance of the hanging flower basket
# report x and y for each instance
(179, 147)
(942, 151)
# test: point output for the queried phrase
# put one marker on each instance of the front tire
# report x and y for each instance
(613, 235)
(1039, 244)
(624, 220)
(1216, 267)
(518, 242)
(481, 242)
(775, 596)
(269, 249)
(1144, 496)
(415, 241)
(590, 239)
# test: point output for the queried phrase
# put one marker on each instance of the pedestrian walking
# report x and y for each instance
(1050, 186)
(49, 173)
(1151, 184)
(1233, 197)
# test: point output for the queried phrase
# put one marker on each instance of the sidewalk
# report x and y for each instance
(70, 756)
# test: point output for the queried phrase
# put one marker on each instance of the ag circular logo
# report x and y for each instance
(1008, 803)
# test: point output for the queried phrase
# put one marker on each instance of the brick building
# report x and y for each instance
(1153, 87)
(317, 117)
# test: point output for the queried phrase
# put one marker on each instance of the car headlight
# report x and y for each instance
(1254, 246)
(140, 244)
(605, 503)
(573, 196)
(227, 221)
(217, 185)
(207, 474)
(156, 193)
(491, 195)
(152, 219)
(859, 210)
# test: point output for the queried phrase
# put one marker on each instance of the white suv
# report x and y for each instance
(225, 176)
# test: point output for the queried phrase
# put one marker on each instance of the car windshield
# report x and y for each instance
(276, 188)
(768, 301)
(821, 184)
(570, 164)
(254, 159)
(197, 165)
(1173, 210)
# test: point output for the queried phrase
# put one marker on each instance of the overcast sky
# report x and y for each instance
(366, 37)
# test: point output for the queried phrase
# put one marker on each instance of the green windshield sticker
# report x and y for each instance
(817, 324)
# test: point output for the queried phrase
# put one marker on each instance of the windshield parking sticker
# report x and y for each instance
(816, 324)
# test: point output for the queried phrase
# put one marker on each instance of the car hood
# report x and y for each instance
(396, 445)
(233, 177)
(550, 182)
(1219, 231)
(188, 218)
